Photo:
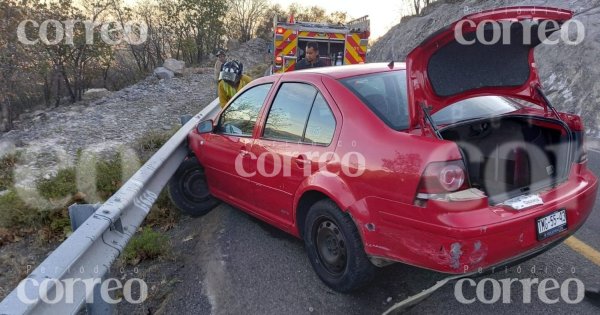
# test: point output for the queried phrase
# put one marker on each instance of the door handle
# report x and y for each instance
(244, 153)
(302, 161)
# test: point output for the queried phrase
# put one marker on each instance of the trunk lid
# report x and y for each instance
(460, 61)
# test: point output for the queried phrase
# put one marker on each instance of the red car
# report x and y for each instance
(454, 162)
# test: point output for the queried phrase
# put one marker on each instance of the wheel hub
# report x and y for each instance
(194, 185)
(331, 247)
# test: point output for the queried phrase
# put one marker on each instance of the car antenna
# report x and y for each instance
(391, 64)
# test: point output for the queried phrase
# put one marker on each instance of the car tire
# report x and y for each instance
(335, 248)
(188, 189)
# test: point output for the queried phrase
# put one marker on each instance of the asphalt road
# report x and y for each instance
(236, 264)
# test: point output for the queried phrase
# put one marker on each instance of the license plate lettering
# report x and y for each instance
(551, 224)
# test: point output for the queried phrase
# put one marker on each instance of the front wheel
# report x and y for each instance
(335, 248)
(188, 189)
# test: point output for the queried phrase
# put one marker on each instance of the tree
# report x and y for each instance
(204, 19)
(44, 72)
(187, 30)
(9, 51)
(308, 14)
(265, 28)
(416, 6)
(315, 14)
(75, 59)
(243, 18)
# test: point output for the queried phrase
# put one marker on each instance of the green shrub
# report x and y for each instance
(15, 213)
(61, 225)
(59, 186)
(164, 214)
(146, 245)
(7, 166)
(109, 177)
(150, 142)
(54, 222)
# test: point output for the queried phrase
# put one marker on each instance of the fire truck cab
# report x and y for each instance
(339, 44)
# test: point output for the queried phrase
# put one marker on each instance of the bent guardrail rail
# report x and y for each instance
(92, 248)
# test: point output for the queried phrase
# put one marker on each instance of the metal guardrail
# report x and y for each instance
(92, 248)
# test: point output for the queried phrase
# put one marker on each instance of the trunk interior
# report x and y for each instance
(512, 155)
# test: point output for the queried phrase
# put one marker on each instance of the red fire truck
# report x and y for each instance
(339, 44)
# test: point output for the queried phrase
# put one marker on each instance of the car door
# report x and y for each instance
(297, 135)
(226, 151)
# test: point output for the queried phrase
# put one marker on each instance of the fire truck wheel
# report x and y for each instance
(188, 189)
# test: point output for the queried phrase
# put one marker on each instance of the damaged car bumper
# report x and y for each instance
(470, 236)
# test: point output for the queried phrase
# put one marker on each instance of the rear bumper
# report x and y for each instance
(478, 238)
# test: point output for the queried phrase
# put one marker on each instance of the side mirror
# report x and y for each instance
(205, 126)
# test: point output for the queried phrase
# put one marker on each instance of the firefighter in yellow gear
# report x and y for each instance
(231, 80)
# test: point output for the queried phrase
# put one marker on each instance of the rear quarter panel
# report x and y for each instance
(377, 162)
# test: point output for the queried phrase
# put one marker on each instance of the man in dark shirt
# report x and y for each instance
(311, 59)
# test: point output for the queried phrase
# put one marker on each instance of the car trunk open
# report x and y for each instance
(505, 155)
(444, 69)
(511, 155)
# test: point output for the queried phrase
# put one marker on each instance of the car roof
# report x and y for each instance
(341, 72)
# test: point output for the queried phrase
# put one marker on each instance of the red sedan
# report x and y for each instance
(454, 162)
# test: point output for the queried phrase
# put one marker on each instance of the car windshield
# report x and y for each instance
(385, 94)
(472, 108)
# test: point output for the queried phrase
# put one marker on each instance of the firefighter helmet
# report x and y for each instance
(231, 72)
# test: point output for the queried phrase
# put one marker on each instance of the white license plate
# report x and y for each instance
(551, 224)
(524, 201)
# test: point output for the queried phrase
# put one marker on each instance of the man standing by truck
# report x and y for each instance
(218, 64)
(311, 59)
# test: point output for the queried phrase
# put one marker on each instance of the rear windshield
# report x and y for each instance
(473, 108)
(385, 94)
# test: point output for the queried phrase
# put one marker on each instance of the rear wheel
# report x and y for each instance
(188, 189)
(335, 248)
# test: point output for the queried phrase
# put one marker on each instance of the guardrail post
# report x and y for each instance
(78, 215)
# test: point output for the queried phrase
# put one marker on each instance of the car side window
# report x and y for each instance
(321, 123)
(240, 116)
(289, 112)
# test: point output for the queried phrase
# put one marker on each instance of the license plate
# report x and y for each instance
(551, 224)
(524, 201)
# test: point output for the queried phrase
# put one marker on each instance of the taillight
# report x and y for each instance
(278, 59)
(443, 177)
(280, 30)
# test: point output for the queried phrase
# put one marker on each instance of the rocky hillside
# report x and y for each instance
(570, 74)
(104, 123)
(106, 120)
